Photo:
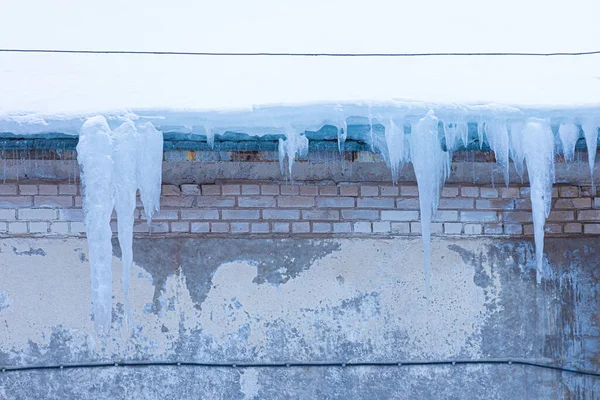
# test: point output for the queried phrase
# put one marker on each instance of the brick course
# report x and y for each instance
(323, 209)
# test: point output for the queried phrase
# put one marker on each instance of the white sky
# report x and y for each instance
(50, 83)
(303, 25)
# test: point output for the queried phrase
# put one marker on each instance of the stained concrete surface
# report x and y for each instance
(278, 300)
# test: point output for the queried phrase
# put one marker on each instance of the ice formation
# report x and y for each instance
(497, 136)
(94, 154)
(394, 154)
(590, 131)
(569, 134)
(431, 165)
(114, 165)
(295, 144)
(538, 146)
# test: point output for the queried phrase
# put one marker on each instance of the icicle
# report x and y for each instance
(430, 163)
(590, 131)
(94, 154)
(125, 146)
(480, 133)
(569, 134)
(497, 135)
(516, 151)
(295, 144)
(149, 167)
(462, 130)
(210, 137)
(451, 134)
(538, 146)
(394, 140)
(342, 134)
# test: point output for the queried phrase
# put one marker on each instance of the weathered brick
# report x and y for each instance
(178, 201)
(335, 202)
(452, 228)
(523, 204)
(211, 190)
(163, 215)
(53, 201)
(410, 203)
(400, 227)
(79, 227)
(342, 227)
(270, 190)
(219, 227)
(65, 189)
(159, 227)
(488, 193)
(231, 190)
(588, 229)
(553, 228)
(200, 227)
(513, 229)
(321, 227)
(561, 216)
(38, 227)
(445, 216)
(180, 226)
(8, 189)
(70, 214)
(469, 191)
(295, 201)
(571, 203)
(50, 190)
(300, 227)
(189, 189)
(362, 227)
(36, 214)
(7, 215)
(309, 190)
(528, 230)
(240, 214)
(360, 214)
(450, 191)
(375, 202)
(281, 214)
(280, 227)
(240, 227)
(495, 204)
(257, 201)
(588, 215)
(17, 228)
(492, 229)
(409, 191)
(59, 228)
(16, 201)
(382, 227)
(250, 189)
(3, 227)
(289, 190)
(478, 216)
(568, 191)
(572, 227)
(509, 192)
(328, 190)
(77, 201)
(597, 202)
(472, 229)
(389, 191)
(349, 190)
(525, 192)
(324, 215)
(369, 190)
(394, 215)
(170, 190)
(516, 216)
(260, 227)
(213, 201)
(199, 214)
(28, 189)
(456, 204)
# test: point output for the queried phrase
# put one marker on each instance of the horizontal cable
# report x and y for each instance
(286, 54)
(527, 363)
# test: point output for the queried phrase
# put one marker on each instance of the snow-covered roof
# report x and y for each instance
(54, 92)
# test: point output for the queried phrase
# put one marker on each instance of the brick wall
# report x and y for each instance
(305, 208)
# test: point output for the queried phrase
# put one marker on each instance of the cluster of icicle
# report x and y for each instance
(530, 141)
(114, 165)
